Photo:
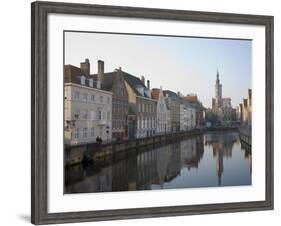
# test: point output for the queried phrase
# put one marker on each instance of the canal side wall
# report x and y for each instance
(94, 151)
(245, 135)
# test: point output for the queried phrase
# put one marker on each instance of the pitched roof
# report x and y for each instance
(108, 79)
(72, 74)
(134, 82)
(170, 93)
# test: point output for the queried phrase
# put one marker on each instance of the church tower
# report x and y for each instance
(218, 91)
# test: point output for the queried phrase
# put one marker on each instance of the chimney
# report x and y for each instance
(250, 97)
(143, 80)
(100, 73)
(85, 66)
(148, 84)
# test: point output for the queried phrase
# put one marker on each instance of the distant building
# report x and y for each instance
(142, 105)
(221, 107)
(240, 113)
(249, 107)
(245, 111)
(87, 107)
(162, 111)
(187, 115)
(197, 105)
(227, 110)
(173, 104)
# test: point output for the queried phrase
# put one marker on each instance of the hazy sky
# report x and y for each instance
(184, 64)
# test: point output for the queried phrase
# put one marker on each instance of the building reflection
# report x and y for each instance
(247, 155)
(222, 145)
(157, 166)
(192, 151)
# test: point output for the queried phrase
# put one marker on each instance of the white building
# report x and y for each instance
(161, 112)
(169, 121)
(87, 109)
(187, 117)
(183, 118)
(191, 117)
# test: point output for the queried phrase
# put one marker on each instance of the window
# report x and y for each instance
(93, 98)
(85, 96)
(77, 114)
(93, 115)
(101, 99)
(85, 132)
(82, 80)
(91, 82)
(99, 115)
(108, 100)
(76, 95)
(85, 115)
(103, 115)
(76, 133)
(92, 131)
(108, 116)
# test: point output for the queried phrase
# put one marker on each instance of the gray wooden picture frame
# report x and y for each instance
(39, 106)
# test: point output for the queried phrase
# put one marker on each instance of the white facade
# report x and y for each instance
(183, 118)
(146, 117)
(161, 115)
(169, 121)
(87, 114)
(187, 117)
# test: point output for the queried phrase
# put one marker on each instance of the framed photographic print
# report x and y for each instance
(140, 112)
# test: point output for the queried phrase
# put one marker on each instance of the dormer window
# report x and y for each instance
(83, 80)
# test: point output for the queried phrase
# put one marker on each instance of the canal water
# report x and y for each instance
(212, 159)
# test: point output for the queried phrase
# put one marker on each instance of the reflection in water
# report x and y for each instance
(212, 159)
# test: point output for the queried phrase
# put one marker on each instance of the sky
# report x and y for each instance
(184, 64)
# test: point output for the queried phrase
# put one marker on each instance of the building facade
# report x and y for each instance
(173, 104)
(141, 105)
(249, 107)
(245, 109)
(115, 83)
(161, 111)
(187, 117)
(85, 120)
(194, 102)
(87, 108)
(221, 107)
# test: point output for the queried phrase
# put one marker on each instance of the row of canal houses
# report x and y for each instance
(117, 105)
